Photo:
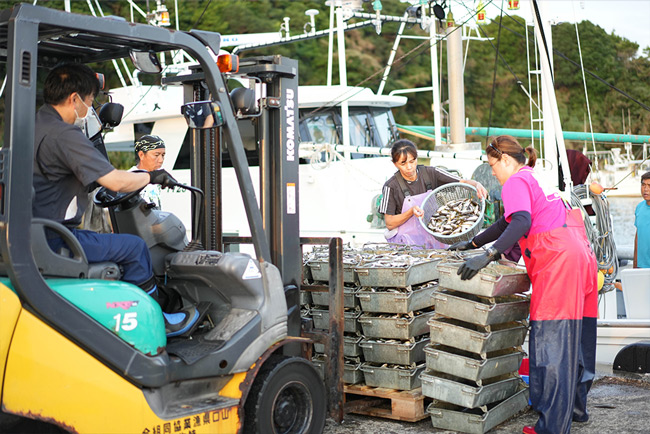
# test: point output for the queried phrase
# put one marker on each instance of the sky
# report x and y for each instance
(627, 18)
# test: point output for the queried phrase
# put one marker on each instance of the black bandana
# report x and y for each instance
(148, 143)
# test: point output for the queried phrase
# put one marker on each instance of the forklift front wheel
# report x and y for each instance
(287, 396)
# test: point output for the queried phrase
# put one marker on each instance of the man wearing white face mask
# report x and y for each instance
(66, 163)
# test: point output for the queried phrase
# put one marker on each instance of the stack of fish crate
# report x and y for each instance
(475, 351)
(318, 264)
(396, 300)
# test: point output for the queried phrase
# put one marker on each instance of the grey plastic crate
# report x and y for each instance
(350, 346)
(305, 297)
(349, 297)
(320, 271)
(481, 310)
(393, 277)
(352, 373)
(465, 393)
(494, 280)
(306, 273)
(476, 421)
(321, 319)
(401, 353)
(394, 328)
(476, 338)
(397, 302)
(392, 378)
(469, 365)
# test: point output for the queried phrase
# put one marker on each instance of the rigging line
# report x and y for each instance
(584, 81)
(202, 13)
(397, 66)
(563, 56)
(494, 79)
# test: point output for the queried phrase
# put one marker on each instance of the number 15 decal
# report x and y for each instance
(126, 322)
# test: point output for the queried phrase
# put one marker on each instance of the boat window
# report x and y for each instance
(384, 124)
(321, 129)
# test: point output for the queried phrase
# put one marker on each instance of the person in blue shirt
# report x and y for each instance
(642, 223)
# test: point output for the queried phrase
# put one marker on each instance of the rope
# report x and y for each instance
(601, 235)
(584, 82)
(494, 77)
(611, 86)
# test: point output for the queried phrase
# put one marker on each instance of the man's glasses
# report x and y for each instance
(495, 148)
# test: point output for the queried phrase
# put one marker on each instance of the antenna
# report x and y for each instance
(310, 27)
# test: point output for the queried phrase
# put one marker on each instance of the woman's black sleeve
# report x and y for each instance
(517, 228)
(491, 233)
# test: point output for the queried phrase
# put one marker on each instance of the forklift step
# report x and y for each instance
(192, 350)
(408, 405)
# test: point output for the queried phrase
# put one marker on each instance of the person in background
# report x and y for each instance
(563, 272)
(579, 165)
(149, 156)
(642, 223)
(404, 192)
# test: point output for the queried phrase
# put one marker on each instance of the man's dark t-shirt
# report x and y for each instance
(393, 196)
(65, 164)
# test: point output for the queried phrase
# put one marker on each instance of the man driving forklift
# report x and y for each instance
(66, 164)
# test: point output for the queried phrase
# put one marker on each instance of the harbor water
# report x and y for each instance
(622, 212)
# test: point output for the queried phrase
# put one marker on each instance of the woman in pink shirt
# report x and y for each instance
(563, 272)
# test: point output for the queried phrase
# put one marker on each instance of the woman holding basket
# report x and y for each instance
(563, 272)
(405, 191)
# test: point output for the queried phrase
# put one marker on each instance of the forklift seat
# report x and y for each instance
(72, 263)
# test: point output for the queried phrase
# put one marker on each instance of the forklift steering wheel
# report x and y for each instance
(105, 198)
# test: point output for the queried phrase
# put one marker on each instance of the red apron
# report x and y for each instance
(562, 269)
(563, 310)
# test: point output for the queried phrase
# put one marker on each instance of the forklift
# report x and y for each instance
(90, 354)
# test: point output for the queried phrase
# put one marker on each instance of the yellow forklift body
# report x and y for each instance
(9, 310)
(50, 378)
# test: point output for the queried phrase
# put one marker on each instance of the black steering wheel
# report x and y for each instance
(105, 198)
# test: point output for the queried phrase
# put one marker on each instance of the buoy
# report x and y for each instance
(596, 188)
(601, 280)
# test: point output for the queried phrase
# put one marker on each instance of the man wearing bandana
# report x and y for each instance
(66, 164)
(149, 156)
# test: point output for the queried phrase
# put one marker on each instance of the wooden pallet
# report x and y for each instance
(407, 405)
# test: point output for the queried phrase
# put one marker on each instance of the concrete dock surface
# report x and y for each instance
(616, 403)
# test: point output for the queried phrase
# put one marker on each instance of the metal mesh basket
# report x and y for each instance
(446, 193)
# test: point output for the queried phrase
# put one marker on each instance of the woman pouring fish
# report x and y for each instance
(563, 273)
(405, 191)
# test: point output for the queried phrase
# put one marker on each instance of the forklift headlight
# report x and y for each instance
(203, 114)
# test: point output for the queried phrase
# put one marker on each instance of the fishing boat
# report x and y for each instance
(345, 132)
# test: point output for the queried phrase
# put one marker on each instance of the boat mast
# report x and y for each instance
(554, 147)
(456, 85)
(437, 121)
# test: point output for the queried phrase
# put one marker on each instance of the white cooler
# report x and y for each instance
(636, 292)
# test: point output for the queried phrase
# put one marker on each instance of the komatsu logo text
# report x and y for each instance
(291, 130)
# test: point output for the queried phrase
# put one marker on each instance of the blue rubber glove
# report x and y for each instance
(472, 266)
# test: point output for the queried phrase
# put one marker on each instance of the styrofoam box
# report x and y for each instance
(636, 292)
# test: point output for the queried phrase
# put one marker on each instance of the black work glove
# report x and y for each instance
(462, 245)
(472, 266)
(163, 178)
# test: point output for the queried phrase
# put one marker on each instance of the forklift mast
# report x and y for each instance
(277, 139)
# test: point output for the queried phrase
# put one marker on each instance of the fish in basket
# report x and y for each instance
(453, 212)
